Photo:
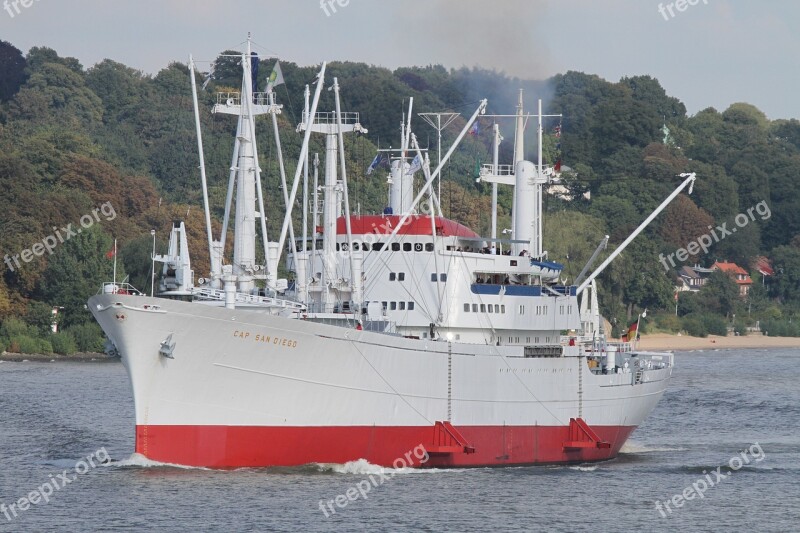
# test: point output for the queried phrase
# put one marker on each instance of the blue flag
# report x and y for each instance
(374, 164)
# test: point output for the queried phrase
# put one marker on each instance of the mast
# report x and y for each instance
(216, 260)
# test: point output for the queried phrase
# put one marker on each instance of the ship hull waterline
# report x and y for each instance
(241, 388)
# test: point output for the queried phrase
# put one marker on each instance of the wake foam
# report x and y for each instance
(138, 460)
(362, 467)
(638, 447)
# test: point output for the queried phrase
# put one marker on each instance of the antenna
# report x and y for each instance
(442, 120)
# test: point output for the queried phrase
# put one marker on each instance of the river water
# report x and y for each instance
(735, 409)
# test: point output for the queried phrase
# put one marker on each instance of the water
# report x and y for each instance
(719, 403)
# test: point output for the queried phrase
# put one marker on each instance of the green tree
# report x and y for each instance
(12, 70)
(76, 271)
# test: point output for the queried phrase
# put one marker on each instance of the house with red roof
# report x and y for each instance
(739, 275)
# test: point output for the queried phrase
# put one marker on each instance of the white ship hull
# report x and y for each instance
(248, 388)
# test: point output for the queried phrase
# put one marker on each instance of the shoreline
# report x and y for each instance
(670, 342)
(45, 358)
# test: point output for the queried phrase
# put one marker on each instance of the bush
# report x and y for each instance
(30, 345)
(715, 325)
(13, 327)
(780, 328)
(63, 343)
(88, 337)
(694, 326)
(669, 323)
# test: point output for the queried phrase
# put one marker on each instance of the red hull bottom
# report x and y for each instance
(251, 446)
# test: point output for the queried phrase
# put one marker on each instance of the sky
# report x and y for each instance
(710, 54)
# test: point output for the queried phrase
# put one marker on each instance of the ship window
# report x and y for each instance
(443, 277)
(483, 308)
(433, 277)
(376, 246)
(356, 246)
(393, 306)
(392, 276)
(522, 309)
(466, 308)
(337, 246)
(513, 262)
(384, 304)
(474, 308)
(429, 247)
(406, 246)
(503, 308)
(401, 276)
(496, 308)
(410, 306)
(395, 246)
(490, 308)
(402, 306)
(527, 340)
(536, 340)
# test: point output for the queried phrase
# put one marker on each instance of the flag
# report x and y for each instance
(630, 336)
(474, 129)
(374, 164)
(111, 253)
(416, 164)
(557, 131)
(557, 166)
(275, 77)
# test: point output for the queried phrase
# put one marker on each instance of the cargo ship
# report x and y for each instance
(399, 329)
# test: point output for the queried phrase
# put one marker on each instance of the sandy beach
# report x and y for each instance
(665, 341)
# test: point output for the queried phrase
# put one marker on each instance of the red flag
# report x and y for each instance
(557, 166)
(111, 253)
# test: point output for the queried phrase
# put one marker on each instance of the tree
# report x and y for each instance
(76, 271)
(12, 70)
(720, 293)
(683, 223)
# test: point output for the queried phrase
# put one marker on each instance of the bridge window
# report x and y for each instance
(483, 308)
(393, 306)
(474, 308)
(429, 247)
(406, 246)
(376, 246)
(503, 308)
(401, 276)
(384, 304)
(433, 276)
(395, 246)
(496, 308)
(410, 306)
(392, 276)
(490, 308)
(522, 309)
(466, 308)
(402, 306)
(417, 246)
(443, 277)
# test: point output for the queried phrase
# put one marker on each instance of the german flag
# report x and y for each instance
(631, 335)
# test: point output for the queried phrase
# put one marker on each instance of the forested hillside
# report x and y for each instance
(74, 138)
